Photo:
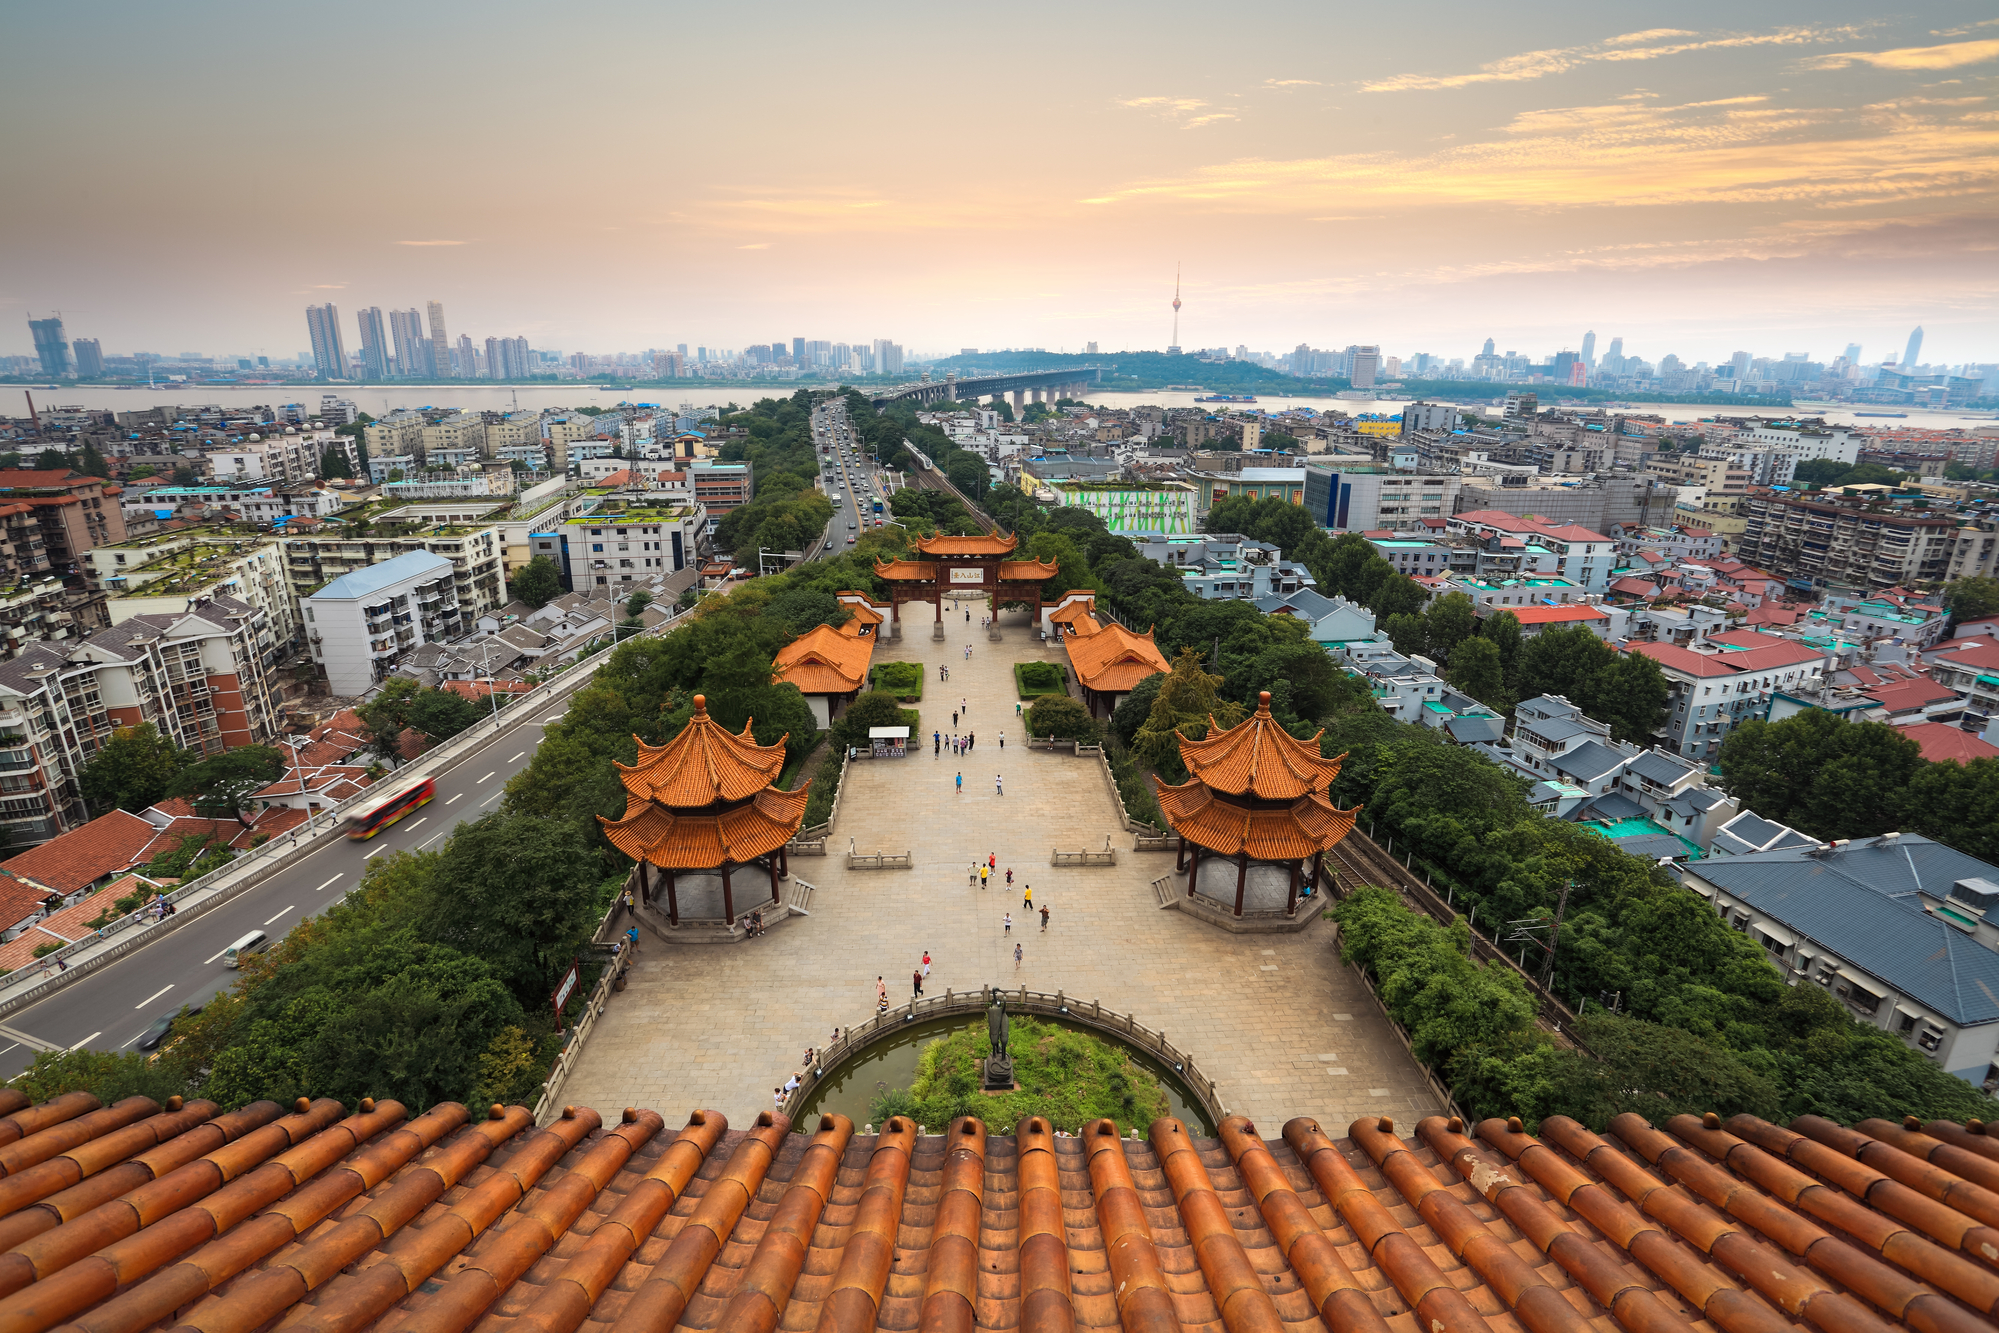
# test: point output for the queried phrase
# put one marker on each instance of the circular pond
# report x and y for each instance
(891, 1061)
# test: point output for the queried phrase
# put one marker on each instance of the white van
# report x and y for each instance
(255, 942)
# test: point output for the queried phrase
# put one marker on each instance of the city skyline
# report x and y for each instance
(1793, 183)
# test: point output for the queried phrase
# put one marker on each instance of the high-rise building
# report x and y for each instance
(50, 345)
(329, 352)
(1089, 349)
(440, 343)
(374, 344)
(1617, 349)
(1915, 349)
(468, 358)
(1589, 349)
(1853, 354)
(1740, 362)
(1362, 366)
(507, 358)
(1487, 350)
(412, 344)
(89, 356)
(798, 351)
(888, 357)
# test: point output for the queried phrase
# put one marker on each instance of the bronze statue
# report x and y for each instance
(999, 1067)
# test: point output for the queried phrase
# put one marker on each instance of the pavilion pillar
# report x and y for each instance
(1180, 855)
(1194, 870)
(645, 886)
(784, 861)
(1241, 878)
(672, 899)
(770, 863)
(1291, 895)
(728, 896)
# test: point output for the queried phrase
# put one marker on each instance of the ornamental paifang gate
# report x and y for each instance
(965, 564)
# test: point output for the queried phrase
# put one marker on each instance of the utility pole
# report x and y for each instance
(1545, 931)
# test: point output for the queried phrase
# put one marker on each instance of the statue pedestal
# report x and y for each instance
(997, 1076)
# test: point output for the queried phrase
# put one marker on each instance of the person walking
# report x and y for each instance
(954, 718)
(936, 743)
(1016, 958)
(881, 993)
(1002, 740)
(992, 860)
(961, 784)
(926, 964)
(1016, 708)
(1009, 877)
(982, 876)
(971, 739)
(1027, 897)
(1044, 918)
(1006, 923)
(999, 785)
(631, 937)
(916, 984)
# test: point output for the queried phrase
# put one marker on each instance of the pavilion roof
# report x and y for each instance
(924, 571)
(1030, 571)
(704, 764)
(1110, 659)
(987, 543)
(824, 661)
(672, 840)
(1308, 825)
(1256, 757)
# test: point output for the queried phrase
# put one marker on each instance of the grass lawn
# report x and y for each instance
(1025, 672)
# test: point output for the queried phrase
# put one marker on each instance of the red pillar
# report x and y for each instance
(1194, 870)
(1180, 855)
(1241, 878)
(645, 889)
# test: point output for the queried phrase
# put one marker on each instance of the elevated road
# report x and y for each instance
(1042, 385)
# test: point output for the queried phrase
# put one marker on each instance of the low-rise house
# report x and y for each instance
(1891, 926)
(1108, 659)
(829, 667)
(1401, 685)
(1222, 566)
(1970, 667)
(85, 858)
(1332, 619)
(1750, 832)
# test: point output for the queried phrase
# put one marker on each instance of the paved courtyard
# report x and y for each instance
(1278, 1021)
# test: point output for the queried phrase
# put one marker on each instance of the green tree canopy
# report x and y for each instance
(221, 784)
(1975, 598)
(134, 769)
(1187, 699)
(537, 583)
(1060, 716)
(1449, 620)
(1820, 773)
(1476, 670)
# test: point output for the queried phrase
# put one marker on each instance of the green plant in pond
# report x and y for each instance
(1066, 1076)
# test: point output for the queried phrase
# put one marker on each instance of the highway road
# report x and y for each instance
(846, 470)
(111, 1008)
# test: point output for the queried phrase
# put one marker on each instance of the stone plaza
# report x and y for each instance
(1282, 1026)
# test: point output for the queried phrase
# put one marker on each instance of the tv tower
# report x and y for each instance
(1174, 350)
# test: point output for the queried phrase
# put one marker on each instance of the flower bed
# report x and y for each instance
(1033, 679)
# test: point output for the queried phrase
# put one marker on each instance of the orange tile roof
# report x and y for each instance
(1308, 825)
(71, 923)
(990, 543)
(1074, 613)
(1258, 758)
(446, 1222)
(1112, 659)
(652, 832)
(1028, 571)
(923, 570)
(74, 860)
(1573, 614)
(1943, 741)
(863, 614)
(824, 661)
(704, 764)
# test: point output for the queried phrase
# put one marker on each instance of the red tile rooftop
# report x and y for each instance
(314, 1219)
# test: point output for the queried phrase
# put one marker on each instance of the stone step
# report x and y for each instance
(1167, 889)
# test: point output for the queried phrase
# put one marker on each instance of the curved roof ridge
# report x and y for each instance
(1236, 759)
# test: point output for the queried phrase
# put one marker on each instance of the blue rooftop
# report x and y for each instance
(374, 578)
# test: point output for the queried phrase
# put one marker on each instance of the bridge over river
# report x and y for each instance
(1037, 386)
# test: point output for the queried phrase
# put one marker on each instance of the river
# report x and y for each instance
(378, 399)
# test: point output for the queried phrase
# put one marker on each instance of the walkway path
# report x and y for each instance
(1280, 1023)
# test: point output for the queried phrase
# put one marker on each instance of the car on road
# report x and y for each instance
(151, 1038)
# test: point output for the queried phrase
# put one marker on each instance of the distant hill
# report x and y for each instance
(1142, 370)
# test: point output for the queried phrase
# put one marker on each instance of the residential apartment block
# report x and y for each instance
(163, 574)
(628, 543)
(357, 626)
(72, 512)
(474, 550)
(1727, 680)
(1816, 540)
(1224, 566)
(198, 676)
(1355, 496)
(1582, 555)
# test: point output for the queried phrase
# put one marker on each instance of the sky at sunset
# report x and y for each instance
(1695, 178)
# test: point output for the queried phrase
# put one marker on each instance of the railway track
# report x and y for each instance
(1364, 861)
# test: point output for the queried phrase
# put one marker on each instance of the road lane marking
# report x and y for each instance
(17, 1044)
(86, 1041)
(488, 776)
(412, 826)
(454, 798)
(494, 797)
(134, 1037)
(377, 852)
(433, 837)
(517, 756)
(329, 881)
(150, 998)
(225, 949)
(281, 914)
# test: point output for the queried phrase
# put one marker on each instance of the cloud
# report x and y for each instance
(1969, 27)
(1293, 83)
(1649, 35)
(1208, 119)
(1952, 56)
(1558, 60)
(433, 242)
(760, 245)
(1169, 104)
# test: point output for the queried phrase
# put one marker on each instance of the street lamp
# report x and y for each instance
(486, 657)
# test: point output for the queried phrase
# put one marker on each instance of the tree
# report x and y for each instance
(135, 769)
(1503, 629)
(1062, 717)
(517, 892)
(1405, 632)
(1132, 710)
(52, 460)
(1629, 693)
(873, 708)
(92, 463)
(1957, 804)
(969, 474)
(222, 784)
(1820, 774)
(333, 463)
(1188, 698)
(1398, 595)
(388, 713)
(1476, 670)
(1450, 619)
(441, 714)
(1975, 598)
(184, 475)
(1561, 661)
(143, 471)
(536, 583)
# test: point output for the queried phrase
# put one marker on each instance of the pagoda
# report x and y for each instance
(1256, 814)
(702, 807)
